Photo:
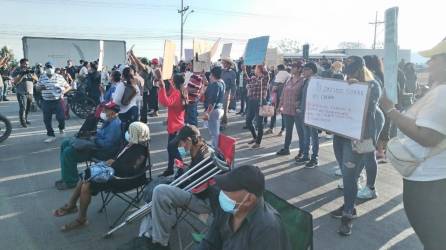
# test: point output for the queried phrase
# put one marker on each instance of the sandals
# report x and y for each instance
(76, 224)
(65, 210)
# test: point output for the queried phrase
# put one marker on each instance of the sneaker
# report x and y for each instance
(312, 164)
(167, 173)
(268, 132)
(367, 193)
(338, 171)
(280, 133)
(338, 213)
(283, 152)
(252, 141)
(23, 123)
(341, 184)
(345, 229)
(62, 132)
(256, 145)
(302, 160)
(298, 156)
(50, 139)
(28, 122)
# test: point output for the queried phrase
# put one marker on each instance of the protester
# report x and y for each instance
(257, 88)
(288, 107)
(93, 83)
(244, 220)
(351, 154)
(411, 85)
(279, 81)
(52, 87)
(156, 227)
(242, 87)
(311, 135)
(228, 76)
(213, 104)
(71, 70)
(3, 63)
(23, 79)
(175, 101)
(146, 72)
(193, 87)
(104, 145)
(126, 96)
(115, 80)
(129, 162)
(153, 92)
(423, 129)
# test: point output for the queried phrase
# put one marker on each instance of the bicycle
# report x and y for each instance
(5, 128)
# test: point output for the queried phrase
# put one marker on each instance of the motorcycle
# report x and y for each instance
(5, 128)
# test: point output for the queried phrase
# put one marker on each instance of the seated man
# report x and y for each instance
(156, 227)
(106, 144)
(244, 221)
(131, 161)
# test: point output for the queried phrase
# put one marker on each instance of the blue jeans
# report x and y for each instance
(24, 101)
(310, 136)
(214, 126)
(351, 165)
(172, 152)
(290, 122)
(253, 113)
(192, 114)
(49, 108)
(128, 117)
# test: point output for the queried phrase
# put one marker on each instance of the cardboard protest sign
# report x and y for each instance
(226, 51)
(271, 58)
(337, 106)
(214, 48)
(188, 55)
(202, 55)
(168, 59)
(391, 54)
(255, 51)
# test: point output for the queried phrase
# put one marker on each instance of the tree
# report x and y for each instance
(289, 46)
(351, 45)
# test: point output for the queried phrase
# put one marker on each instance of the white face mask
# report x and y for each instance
(103, 116)
(50, 71)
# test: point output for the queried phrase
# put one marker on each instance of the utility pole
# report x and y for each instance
(376, 23)
(183, 21)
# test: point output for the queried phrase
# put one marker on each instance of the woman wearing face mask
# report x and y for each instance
(129, 162)
(175, 101)
(351, 154)
(129, 112)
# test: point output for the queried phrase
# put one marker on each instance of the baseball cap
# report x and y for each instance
(48, 65)
(185, 132)
(247, 177)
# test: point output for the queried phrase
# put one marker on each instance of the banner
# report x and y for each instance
(391, 54)
(188, 55)
(337, 106)
(168, 60)
(255, 51)
(226, 51)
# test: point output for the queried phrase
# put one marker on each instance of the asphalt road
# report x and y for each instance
(29, 167)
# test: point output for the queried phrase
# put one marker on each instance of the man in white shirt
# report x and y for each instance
(53, 86)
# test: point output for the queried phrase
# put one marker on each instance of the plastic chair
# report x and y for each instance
(226, 146)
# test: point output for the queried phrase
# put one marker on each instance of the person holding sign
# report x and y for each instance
(351, 154)
(257, 90)
(423, 129)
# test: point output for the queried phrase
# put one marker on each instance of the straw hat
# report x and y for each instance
(436, 50)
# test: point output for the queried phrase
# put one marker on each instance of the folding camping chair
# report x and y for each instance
(297, 222)
(121, 188)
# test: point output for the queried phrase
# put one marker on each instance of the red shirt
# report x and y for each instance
(175, 109)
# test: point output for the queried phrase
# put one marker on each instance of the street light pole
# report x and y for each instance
(182, 11)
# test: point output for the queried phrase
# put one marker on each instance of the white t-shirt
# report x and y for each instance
(429, 112)
(117, 97)
(83, 72)
(282, 77)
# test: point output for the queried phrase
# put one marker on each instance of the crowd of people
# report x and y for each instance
(128, 94)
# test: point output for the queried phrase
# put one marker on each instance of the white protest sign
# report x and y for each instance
(391, 54)
(214, 48)
(101, 55)
(168, 60)
(337, 106)
(188, 55)
(202, 55)
(271, 58)
(226, 51)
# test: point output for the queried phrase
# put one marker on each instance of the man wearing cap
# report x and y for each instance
(24, 79)
(105, 145)
(156, 227)
(52, 87)
(244, 220)
(310, 134)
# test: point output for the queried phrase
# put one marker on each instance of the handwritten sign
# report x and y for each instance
(226, 51)
(168, 59)
(188, 54)
(337, 106)
(202, 55)
(255, 51)
(391, 54)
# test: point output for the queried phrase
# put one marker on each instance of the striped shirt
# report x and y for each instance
(52, 88)
(194, 86)
(257, 87)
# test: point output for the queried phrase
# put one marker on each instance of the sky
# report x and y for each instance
(147, 23)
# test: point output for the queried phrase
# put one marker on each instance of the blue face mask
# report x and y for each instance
(182, 151)
(226, 203)
(127, 136)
